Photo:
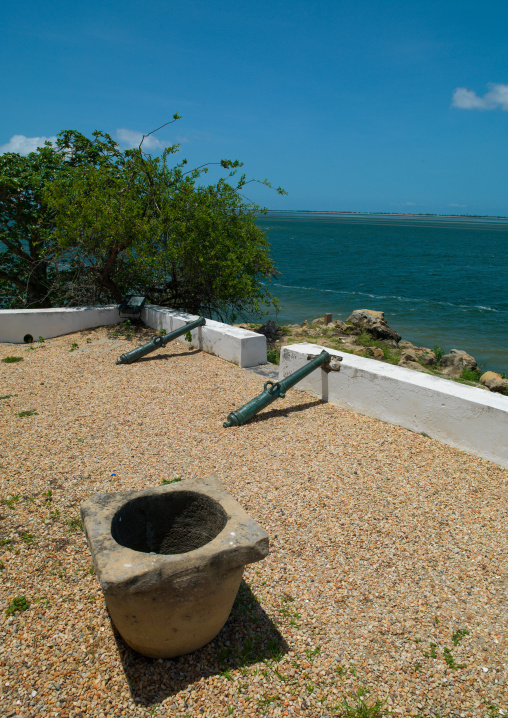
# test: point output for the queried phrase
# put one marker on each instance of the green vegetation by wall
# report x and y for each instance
(84, 222)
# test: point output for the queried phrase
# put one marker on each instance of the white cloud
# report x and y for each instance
(131, 138)
(24, 145)
(497, 96)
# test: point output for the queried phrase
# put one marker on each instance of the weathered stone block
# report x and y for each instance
(170, 560)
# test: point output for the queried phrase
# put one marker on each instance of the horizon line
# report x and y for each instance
(391, 214)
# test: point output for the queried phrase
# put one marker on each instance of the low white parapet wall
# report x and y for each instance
(236, 345)
(462, 416)
(16, 324)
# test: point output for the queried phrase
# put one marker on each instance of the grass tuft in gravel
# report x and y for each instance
(18, 604)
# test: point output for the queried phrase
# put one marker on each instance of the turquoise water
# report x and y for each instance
(439, 280)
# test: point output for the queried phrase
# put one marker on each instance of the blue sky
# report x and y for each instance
(350, 105)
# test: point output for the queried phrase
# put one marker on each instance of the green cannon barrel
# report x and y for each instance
(272, 391)
(156, 342)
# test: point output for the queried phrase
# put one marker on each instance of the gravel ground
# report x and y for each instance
(387, 573)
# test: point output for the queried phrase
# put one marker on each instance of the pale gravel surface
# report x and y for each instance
(383, 542)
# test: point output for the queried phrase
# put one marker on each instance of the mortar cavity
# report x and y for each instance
(171, 523)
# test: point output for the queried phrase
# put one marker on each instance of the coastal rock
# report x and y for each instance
(454, 363)
(415, 365)
(351, 330)
(372, 352)
(374, 323)
(427, 357)
(339, 327)
(494, 382)
(421, 354)
(408, 355)
(327, 344)
(270, 329)
(348, 345)
(349, 342)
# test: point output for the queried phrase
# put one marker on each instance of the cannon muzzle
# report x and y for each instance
(158, 341)
(272, 391)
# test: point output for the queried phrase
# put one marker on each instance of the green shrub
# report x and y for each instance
(361, 706)
(74, 524)
(390, 355)
(10, 502)
(19, 603)
(273, 356)
(12, 360)
(365, 340)
(471, 374)
(439, 353)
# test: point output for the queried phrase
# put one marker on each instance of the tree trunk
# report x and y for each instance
(105, 274)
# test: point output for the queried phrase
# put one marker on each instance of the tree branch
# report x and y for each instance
(17, 250)
(176, 117)
(17, 282)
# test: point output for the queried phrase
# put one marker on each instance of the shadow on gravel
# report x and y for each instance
(248, 637)
(266, 415)
(163, 357)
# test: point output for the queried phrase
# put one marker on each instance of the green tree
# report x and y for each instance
(36, 270)
(85, 222)
(145, 225)
(101, 204)
(209, 256)
(29, 270)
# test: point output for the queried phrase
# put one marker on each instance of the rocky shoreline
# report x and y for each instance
(366, 333)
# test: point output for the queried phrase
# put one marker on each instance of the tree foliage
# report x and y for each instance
(104, 222)
(29, 268)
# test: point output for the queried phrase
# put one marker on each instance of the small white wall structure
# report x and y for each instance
(462, 416)
(16, 324)
(236, 345)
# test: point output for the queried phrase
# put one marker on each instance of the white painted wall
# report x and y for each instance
(462, 416)
(236, 345)
(48, 323)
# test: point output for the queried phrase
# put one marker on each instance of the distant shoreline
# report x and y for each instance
(388, 214)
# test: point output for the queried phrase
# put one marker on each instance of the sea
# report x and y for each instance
(440, 280)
